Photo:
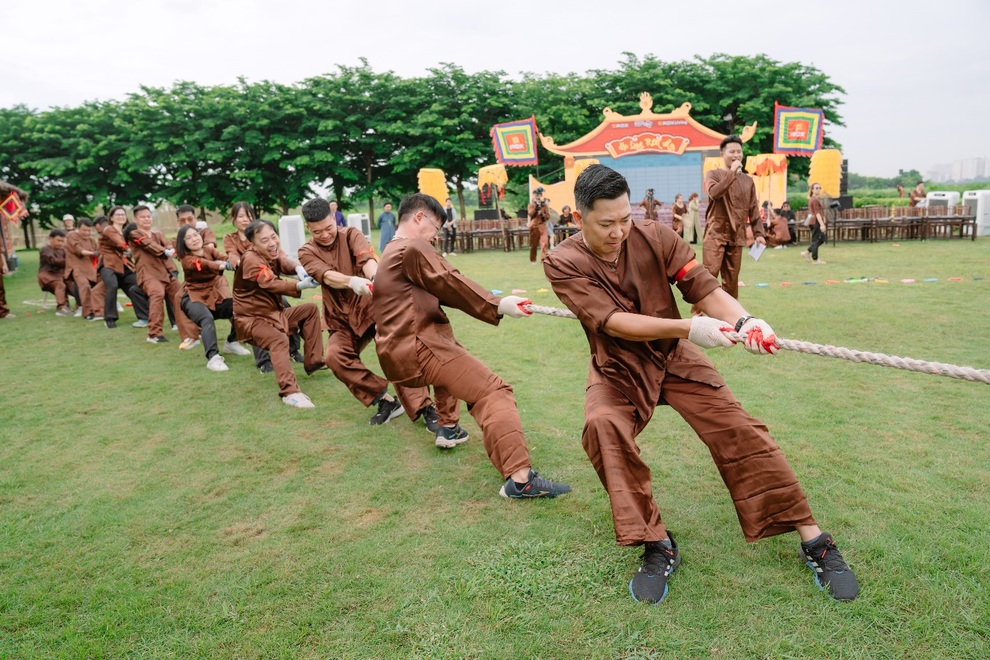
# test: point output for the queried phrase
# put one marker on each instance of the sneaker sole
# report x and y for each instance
(395, 413)
(447, 443)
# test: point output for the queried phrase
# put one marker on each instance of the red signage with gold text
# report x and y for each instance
(647, 143)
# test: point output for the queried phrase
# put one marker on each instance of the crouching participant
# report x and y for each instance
(262, 319)
(416, 346)
(342, 260)
(205, 295)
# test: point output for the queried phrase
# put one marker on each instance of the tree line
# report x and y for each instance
(361, 133)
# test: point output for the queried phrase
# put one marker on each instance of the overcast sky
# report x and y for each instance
(917, 74)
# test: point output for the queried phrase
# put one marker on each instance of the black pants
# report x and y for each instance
(126, 281)
(204, 317)
(817, 240)
(449, 239)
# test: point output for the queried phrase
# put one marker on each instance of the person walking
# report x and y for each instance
(816, 221)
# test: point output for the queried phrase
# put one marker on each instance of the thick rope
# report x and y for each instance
(879, 359)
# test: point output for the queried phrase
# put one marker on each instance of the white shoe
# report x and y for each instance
(778, 247)
(819, 262)
(216, 363)
(175, 328)
(120, 308)
(140, 323)
(188, 343)
(297, 400)
(78, 313)
(235, 348)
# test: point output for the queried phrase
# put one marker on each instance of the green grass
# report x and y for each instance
(150, 508)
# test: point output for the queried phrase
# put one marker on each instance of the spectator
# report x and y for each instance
(338, 215)
(917, 195)
(693, 227)
(386, 223)
(450, 229)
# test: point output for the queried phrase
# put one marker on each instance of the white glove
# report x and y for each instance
(227, 265)
(760, 338)
(169, 252)
(513, 306)
(308, 283)
(360, 285)
(710, 333)
(301, 273)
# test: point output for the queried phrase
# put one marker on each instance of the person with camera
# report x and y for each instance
(732, 206)
(539, 214)
(816, 221)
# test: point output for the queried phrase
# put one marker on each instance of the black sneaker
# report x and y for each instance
(110, 323)
(387, 411)
(157, 340)
(649, 585)
(298, 357)
(450, 436)
(536, 486)
(832, 573)
(266, 368)
(429, 415)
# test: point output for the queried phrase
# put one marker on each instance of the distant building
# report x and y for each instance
(963, 170)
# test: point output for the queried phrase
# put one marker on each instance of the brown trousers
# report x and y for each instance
(54, 284)
(764, 489)
(90, 294)
(538, 239)
(4, 310)
(343, 358)
(156, 291)
(304, 319)
(719, 258)
(490, 402)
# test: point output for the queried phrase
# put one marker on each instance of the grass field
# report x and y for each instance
(150, 508)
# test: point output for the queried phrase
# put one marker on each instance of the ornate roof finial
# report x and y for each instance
(645, 102)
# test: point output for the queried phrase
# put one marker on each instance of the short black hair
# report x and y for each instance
(100, 220)
(598, 182)
(56, 232)
(185, 208)
(729, 139)
(142, 207)
(257, 226)
(129, 229)
(420, 202)
(316, 210)
(85, 222)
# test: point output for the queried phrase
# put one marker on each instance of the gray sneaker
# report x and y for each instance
(450, 436)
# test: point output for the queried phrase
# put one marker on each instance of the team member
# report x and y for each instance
(204, 296)
(154, 268)
(51, 271)
(81, 260)
(609, 276)
(186, 217)
(732, 204)
(115, 268)
(342, 260)
(538, 212)
(650, 205)
(416, 346)
(262, 318)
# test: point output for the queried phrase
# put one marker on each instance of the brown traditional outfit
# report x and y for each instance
(628, 379)
(779, 233)
(538, 217)
(155, 276)
(416, 346)
(350, 319)
(678, 219)
(51, 274)
(262, 319)
(732, 205)
(235, 246)
(81, 269)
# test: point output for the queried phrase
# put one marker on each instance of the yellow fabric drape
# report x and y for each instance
(769, 172)
(826, 169)
(492, 175)
(432, 182)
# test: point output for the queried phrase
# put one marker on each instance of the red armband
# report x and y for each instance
(684, 271)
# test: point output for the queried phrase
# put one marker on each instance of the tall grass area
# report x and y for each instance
(151, 508)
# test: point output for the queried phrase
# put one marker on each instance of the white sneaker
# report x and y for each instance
(120, 308)
(78, 313)
(297, 400)
(175, 328)
(188, 343)
(820, 262)
(217, 363)
(235, 348)
(140, 323)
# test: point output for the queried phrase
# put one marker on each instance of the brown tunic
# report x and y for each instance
(202, 280)
(413, 280)
(915, 197)
(651, 206)
(732, 205)
(678, 222)
(209, 236)
(259, 287)
(814, 210)
(150, 262)
(235, 246)
(78, 264)
(593, 292)
(342, 308)
(112, 249)
(51, 267)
